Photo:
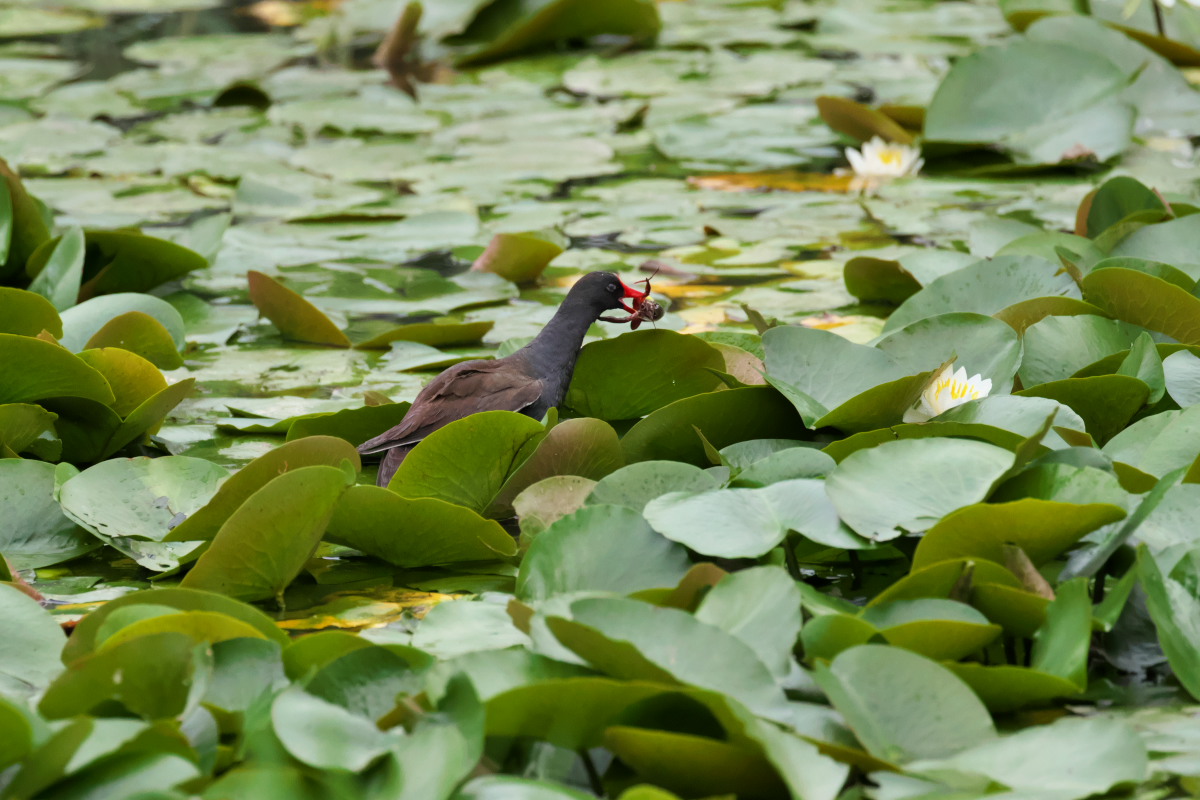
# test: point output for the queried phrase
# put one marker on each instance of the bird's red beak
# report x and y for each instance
(632, 292)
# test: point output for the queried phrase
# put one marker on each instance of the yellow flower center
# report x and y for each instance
(890, 156)
(958, 389)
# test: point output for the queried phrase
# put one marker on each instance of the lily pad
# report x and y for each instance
(518, 257)
(417, 532)
(82, 322)
(296, 318)
(34, 370)
(264, 544)
(36, 532)
(636, 485)
(903, 706)
(603, 385)
(139, 333)
(909, 485)
(467, 461)
(60, 277)
(1042, 529)
(28, 313)
(599, 548)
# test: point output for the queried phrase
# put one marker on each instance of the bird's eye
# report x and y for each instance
(612, 287)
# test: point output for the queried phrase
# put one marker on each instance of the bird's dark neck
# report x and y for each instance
(554, 350)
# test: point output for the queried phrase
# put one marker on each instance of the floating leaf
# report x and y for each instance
(296, 318)
(264, 544)
(27, 313)
(1042, 529)
(128, 261)
(36, 533)
(909, 485)
(139, 333)
(587, 448)
(204, 523)
(34, 370)
(726, 417)
(599, 548)
(434, 334)
(21, 427)
(1145, 300)
(860, 122)
(1106, 403)
(58, 274)
(637, 484)
(903, 706)
(82, 322)
(746, 523)
(418, 532)
(467, 461)
(605, 386)
(518, 257)
(29, 660)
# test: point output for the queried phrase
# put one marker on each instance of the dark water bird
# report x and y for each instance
(530, 381)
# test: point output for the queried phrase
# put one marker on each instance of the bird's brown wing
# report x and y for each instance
(462, 390)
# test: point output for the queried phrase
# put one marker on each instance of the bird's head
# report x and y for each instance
(605, 291)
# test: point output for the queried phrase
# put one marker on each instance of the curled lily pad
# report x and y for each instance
(415, 532)
(22, 426)
(34, 370)
(264, 544)
(82, 322)
(518, 257)
(140, 333)
(28, 313)
(1042, 529)
(734, 415)
(295, 317)
(636, 485)
(604, 387)
(57, 267)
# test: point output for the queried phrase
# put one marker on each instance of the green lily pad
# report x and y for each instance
(205, 522)
(139, 333)
(726, 417)
(22, 425)
(324, 735)
(859, 121)
(36, 532)
(25, 228)
(208, 627)
(518, 257)
(903, 706)
(515, 28)
(1160, 443)
(30, 660)
(264, 544)
(549, 500)
(415, 532)
(607, 385)
(1007, 688)
(133, 379)
(34, 370)
(599, 548)
(827, 635)
(1105, 402)
(986, 287)
(941, 629)
(1173, 604)
(1080, 757)
(746, 523)
(82, 322)
(635, 485)
(434, 334)
(296, 318)
(133, 503)
(637, 641)
(28, 313)
(127, 261)
(760, 606)
(468, 461)
(1019, 611)
(587, 448)
(941, 579)
(1042, 529)
(85, 638)
(982, 345)
(909, 485)
(355, 425)
(1063, 642)
(1145, 300)
(692, 765)
(974, 103)
(1058, 347)
(17, 734)
(152, 676)
(59, 265)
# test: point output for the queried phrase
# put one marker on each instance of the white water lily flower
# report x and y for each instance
(948, 389)
(880, 159)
